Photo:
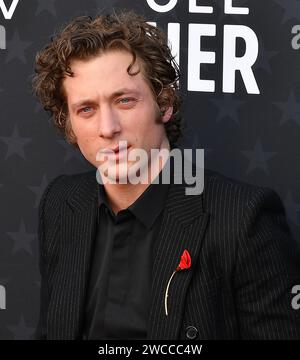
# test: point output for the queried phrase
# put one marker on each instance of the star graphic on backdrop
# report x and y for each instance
(46, 5)
(15, 143)
(291, 9)
(228, 106)
(16, 48)
(22, 239)
(39, 190)
(21, 331)
(258, 158)
(290, 109)
(264, 57)
(292, 209)
(70, 151)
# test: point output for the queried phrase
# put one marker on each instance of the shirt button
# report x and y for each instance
(191, 332)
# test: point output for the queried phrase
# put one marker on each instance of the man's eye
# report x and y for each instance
(125, 100)
(86, 109)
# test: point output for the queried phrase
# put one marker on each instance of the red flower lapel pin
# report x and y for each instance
(185, 263)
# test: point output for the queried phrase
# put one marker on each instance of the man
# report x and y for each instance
(123, 260)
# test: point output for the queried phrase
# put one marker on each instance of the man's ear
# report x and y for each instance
(167, 99)
(166, 116)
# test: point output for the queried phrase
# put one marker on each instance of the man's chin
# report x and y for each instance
(114, 175)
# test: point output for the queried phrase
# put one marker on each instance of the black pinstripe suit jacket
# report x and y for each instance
(244, 262)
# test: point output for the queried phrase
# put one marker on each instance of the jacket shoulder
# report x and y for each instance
(60, 188)
(234, 195)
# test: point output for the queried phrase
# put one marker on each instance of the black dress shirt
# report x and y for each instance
(117, 305)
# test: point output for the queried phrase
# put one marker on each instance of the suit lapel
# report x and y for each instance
(183, 226)
(78, 226)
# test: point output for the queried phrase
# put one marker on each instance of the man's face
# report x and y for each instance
(107, 105)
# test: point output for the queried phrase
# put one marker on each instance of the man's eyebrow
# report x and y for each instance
(83, 102)
(123, 91)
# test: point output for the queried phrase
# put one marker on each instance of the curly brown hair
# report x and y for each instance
(85, 37)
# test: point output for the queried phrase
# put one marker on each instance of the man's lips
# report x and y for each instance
(115, 150)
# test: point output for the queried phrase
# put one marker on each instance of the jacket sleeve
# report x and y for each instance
(267, 268)
(45, 293)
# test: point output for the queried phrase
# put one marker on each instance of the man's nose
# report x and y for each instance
(109, 124)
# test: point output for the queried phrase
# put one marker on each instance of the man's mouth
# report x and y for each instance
(117, 151)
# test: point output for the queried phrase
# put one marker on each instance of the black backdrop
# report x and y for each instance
(250, 136)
